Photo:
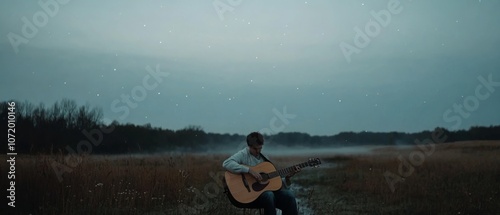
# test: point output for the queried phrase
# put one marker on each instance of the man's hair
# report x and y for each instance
(255, 138)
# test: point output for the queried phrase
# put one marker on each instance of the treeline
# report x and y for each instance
(65, 126)
(438, 135)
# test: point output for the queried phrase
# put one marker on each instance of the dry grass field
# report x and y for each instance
(456, 178)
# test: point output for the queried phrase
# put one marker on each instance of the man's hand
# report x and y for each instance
(256, 175)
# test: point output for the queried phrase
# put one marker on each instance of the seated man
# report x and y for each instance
(283, 199)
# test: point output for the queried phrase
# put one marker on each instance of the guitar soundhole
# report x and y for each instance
(258, 186)
(265, 177)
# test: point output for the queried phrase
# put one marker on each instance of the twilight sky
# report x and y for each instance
(237, 66)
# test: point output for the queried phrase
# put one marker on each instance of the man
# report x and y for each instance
(283, 199)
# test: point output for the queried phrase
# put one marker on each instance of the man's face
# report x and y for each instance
(255, 149)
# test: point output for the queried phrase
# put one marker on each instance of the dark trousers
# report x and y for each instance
(283, 199)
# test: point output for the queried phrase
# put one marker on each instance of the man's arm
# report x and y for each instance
(233, 165)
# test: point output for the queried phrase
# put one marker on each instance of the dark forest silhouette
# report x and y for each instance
(42, 129)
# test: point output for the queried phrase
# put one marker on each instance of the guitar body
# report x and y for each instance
(246, 194)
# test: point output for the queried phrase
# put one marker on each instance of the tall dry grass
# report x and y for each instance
(458, 178)
(175, 184)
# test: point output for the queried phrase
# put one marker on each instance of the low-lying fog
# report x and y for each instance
(298, 151)
(274, 151)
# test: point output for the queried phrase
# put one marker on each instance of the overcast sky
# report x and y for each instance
(319, 67)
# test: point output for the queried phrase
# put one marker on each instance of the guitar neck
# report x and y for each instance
(284, 172)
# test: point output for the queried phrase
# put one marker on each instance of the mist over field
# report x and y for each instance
(310, 151)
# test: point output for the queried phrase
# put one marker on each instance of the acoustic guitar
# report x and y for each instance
(245, 188)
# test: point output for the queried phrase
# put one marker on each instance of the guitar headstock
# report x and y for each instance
(314, 162)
